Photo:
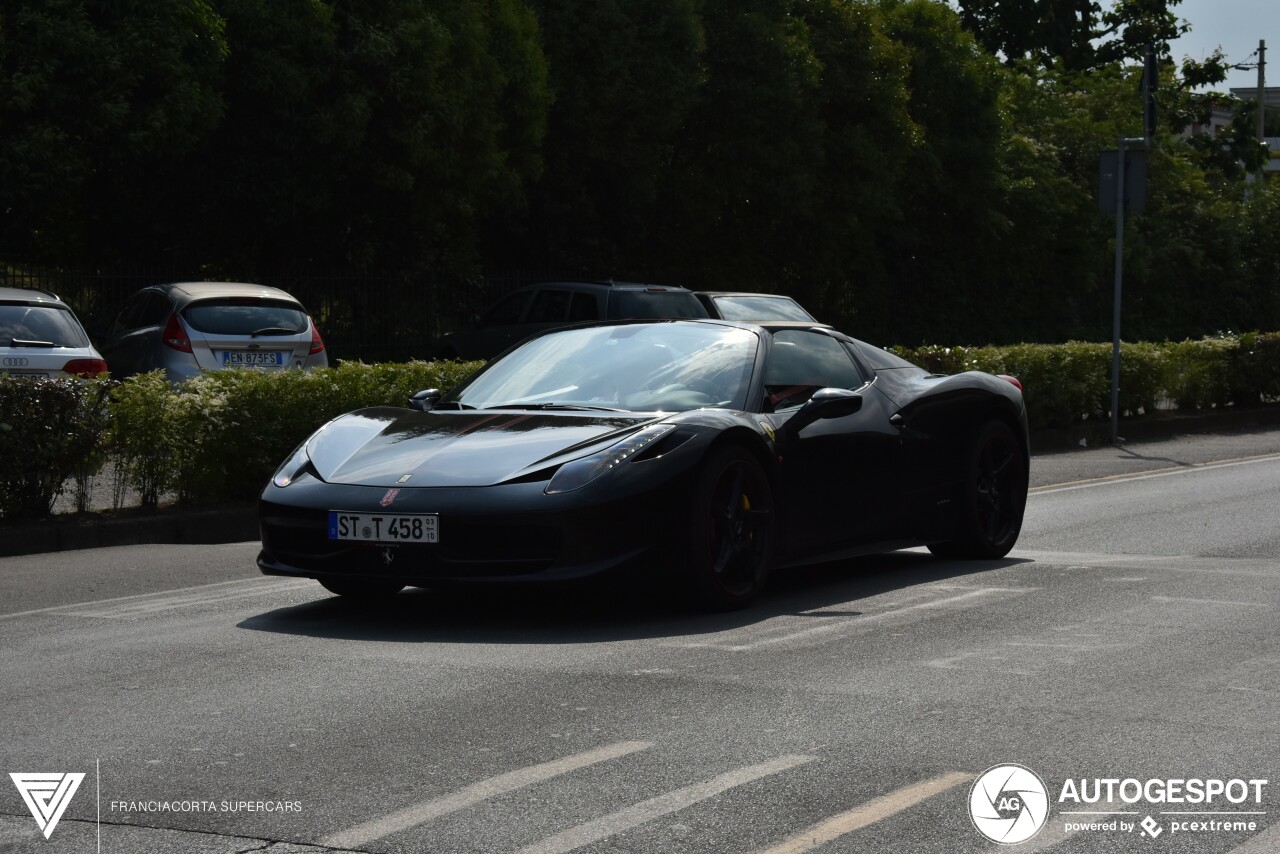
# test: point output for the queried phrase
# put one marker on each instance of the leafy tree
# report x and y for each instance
(1074, 34)
(99, 105)
(943, 256)
(446, 103)
(625, 74)
(264, 183)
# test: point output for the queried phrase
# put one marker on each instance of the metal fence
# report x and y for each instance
(371, 318)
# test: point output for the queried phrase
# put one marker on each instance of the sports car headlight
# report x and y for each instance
(579, 473)
(294, 466)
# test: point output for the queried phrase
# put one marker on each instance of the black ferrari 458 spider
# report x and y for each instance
(712, 449)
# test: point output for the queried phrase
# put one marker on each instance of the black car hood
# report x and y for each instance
(380, 447)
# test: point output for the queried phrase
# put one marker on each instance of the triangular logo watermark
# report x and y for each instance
(47, 796)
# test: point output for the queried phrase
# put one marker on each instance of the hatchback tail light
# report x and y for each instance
(175, 336)
(85, 368)
(317, 343)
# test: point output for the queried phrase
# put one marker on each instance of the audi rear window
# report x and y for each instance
(245, 316)
(642, 304)
(45, 324)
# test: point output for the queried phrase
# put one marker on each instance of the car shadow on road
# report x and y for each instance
(607, 613)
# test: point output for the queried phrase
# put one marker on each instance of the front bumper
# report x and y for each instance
(506, 533)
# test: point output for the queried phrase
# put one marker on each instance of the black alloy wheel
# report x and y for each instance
(732, 528)
(995, 497)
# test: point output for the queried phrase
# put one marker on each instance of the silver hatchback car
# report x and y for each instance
(188, 328)
(40, 336)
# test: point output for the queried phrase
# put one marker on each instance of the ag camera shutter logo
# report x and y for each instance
(1009, 804)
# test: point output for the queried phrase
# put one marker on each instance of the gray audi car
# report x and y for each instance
(40, 336)
(188, 328)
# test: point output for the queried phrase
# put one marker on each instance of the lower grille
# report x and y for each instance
(466, 550)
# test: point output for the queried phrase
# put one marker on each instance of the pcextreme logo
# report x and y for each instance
(47, 796)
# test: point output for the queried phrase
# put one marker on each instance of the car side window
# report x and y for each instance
(583, 307)
(129, 313)
(507, 310)
(155, 310)
(800, 363)
(549, 306)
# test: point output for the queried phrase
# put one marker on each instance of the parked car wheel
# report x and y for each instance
(732, 530)
(995, 497)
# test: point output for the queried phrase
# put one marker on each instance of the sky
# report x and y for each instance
(1235, 26)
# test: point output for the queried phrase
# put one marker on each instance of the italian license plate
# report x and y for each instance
(384, 527)
(252, 358)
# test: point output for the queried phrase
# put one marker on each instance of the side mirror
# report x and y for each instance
(425, 400)
(825, 403)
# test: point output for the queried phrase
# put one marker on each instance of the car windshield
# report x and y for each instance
(760, 308)
(665, 367)
(246, 316)
(43, 324)
(625, 304)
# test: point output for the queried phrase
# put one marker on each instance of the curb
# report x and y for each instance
(194, 526)
(1157, 425)
(239, 522)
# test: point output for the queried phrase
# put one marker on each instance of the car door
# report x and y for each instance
(130, 344)
(839, 477)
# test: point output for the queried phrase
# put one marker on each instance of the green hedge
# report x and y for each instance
(1065, 384)
(221, 435)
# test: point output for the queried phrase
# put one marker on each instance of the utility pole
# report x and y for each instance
(1262, 89)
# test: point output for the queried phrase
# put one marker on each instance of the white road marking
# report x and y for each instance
(646, 811)
(1266, 842)
(168, 603)
(868, 813)
(1181, 600)
(259, 587)
(1170, 472)
(857, 622)
(413, 816)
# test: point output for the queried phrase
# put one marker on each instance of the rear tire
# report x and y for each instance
(356, 588)
(731, 530)
(994, 497)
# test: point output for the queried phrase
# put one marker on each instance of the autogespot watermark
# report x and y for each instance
(1010, 804)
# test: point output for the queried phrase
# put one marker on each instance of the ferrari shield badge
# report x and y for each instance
(389, 497)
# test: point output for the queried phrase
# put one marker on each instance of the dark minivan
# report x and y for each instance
(537, 308)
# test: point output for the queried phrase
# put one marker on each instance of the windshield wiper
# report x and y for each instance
(272, 330)
(571, 407)
(19, 342)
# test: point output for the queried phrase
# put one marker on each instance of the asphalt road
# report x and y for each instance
(1132, 635)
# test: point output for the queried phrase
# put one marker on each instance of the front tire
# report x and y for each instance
(994, 497)
(357, 588)
(731, 530)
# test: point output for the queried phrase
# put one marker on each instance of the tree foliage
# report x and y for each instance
(1074, 35)
(906, 168)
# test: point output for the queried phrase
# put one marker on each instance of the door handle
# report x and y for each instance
(897, 420)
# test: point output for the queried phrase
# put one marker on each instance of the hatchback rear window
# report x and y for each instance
(628, 304)
(245, 316)
(46, 324)
(760, 308)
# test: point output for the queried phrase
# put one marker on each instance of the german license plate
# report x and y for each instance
(252, 358)
(384, 527)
